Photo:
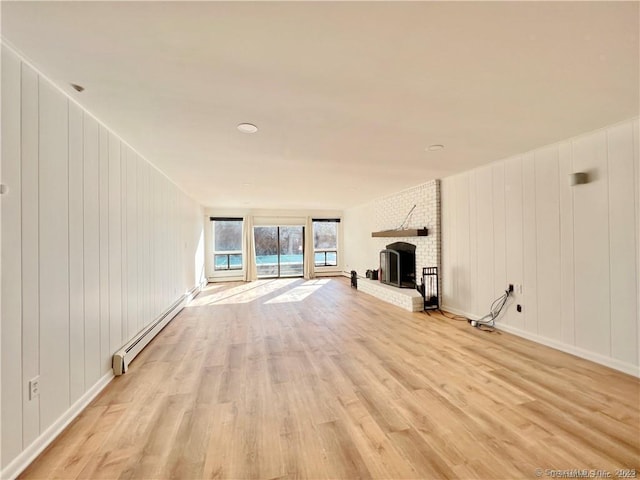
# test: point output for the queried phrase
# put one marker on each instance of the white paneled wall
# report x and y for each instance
(96, 243)
(574, 249)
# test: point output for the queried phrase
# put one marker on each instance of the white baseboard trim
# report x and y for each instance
(330, 273)
(195, 291)
(225, 279)
(128, 352)
(29, 454)
(624, 367)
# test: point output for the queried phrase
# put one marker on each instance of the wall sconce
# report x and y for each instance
(578, 178)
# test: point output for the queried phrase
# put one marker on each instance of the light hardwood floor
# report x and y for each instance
(313, 379)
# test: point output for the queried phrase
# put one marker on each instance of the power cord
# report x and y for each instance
(489, 320)
(486, 323)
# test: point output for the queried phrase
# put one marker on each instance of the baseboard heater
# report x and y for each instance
(123, 357)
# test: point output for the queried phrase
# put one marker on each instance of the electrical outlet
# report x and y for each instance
(34, 387)
(519, 308)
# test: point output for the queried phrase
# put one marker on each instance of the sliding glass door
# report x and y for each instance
(291, 251)
(279, 251)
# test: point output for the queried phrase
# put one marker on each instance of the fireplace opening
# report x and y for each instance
(398, 265)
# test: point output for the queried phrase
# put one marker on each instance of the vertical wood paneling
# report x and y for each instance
(30, 253)
(132, 243)
(164, 219)
(105, 329)
(449, 281)
(462, 271)
(448, 293)
(636, 155)
(115, 246)
(622, 247)
(573, 248)
(76, 254)
(156, 232)
(124, 218)
(500, 282)
(159, 246)
(141, 317)
(530, 278)
(514, 235)
(54, 254)
(484, 200)
(91, 225)
(172, 247)
(548, 243)
(567, 276)
(591, 245)
(146, 226)
(63, 250)
(473, 242)
(181, 244)
(154, 266)
(11, 309)
(454, 223)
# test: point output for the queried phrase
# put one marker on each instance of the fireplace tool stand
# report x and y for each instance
(429, 288)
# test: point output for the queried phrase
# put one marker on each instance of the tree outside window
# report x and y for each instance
(227, 235)
(325, 242)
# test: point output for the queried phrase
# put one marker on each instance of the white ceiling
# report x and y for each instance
(347, 95)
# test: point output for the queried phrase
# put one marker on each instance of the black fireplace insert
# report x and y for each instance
(398, 265)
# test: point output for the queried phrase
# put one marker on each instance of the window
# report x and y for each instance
(279, 250)
(325, 242)
(227, 241)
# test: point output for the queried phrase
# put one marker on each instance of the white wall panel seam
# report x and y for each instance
(39, 250)
(69, 366)
(608, 215)
(611, 273)
(124, 239)
(606, 137)
(493, 230)
(573, 239)
(535, 238)
(21, 230)
(522, 200)
(559, 239)
(506, 239)
(30, 241)
(22, 289)
(11, 208)
(84, 287)
(636, 167)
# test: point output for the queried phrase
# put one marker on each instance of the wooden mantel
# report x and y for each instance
(410, 232)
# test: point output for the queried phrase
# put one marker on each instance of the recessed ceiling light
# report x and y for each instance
(77, 88)
(435, 147)
(247, 128)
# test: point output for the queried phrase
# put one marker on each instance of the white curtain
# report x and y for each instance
(250, 270)
(309, 257)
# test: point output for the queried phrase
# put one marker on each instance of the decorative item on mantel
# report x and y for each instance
(409, 232)
(402, 230)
